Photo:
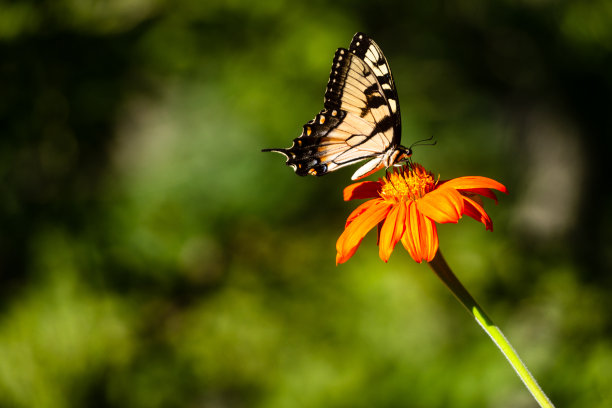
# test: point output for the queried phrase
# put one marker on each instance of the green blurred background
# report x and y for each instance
(152, 256)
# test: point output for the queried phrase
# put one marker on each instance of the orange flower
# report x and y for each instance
(406, 204)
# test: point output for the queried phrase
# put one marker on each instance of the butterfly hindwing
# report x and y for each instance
(323, 139)
(329, 141)
(360, 120)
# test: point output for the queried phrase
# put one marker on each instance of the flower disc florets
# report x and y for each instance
(411, 183)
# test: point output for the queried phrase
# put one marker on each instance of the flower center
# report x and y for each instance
(409, 183)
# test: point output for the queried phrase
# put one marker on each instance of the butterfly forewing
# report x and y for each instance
(360, 120)
(366, 49)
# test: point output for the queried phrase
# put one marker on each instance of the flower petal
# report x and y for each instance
(391, 231)
(359, 226)
(408, 239)
(364, 189)
(472, 182)
(442, 205)
(345, 256)
(429, 239)
(475, 210)
(485, 192)
(421, 236)
(359, 210)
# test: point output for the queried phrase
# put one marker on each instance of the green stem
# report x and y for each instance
(441, 268)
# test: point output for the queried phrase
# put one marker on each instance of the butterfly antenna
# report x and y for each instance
(424, 142)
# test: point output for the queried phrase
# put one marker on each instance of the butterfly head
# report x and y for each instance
(400, 156)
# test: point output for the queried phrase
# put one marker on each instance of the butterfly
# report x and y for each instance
(361, 119)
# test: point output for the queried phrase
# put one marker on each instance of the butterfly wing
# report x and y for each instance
(366, 49)
(360, 120)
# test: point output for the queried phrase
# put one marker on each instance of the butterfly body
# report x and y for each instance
(361, 119)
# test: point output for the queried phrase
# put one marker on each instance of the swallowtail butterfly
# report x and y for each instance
(360, 121)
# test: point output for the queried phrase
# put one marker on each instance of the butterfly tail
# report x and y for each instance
(302, 159)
